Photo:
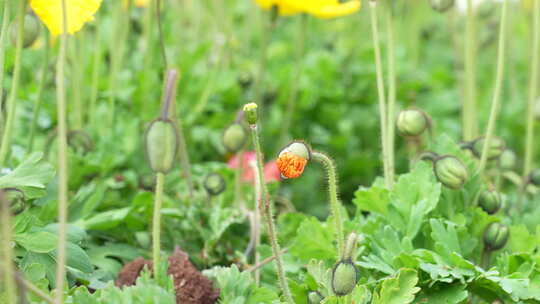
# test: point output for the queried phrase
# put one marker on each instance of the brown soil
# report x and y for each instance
(190, 285)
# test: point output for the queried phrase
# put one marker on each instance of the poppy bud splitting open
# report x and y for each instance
(293, 159)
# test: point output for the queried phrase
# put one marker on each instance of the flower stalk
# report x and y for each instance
(62, 160)
(470, 126)
(3, 35)
(533, 91)
(335, 205)
(41, 88)
(156, 225)
(250, 111)
(7, 250)
(495, 105)
(381, 92)
(391, 91)
(11, 103)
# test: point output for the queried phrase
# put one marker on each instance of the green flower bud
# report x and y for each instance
(214, 184)
(315, 297)
(495, 236)
(508, 160)
(15, 199)
(441, 5)
(413, 122)
(251, 113)
(161, 145)
(344, 277)
(534, 177)
(31, 31)
(497, 147)
(80, 141)
(450, 172)
(490, 201)
(234, 137)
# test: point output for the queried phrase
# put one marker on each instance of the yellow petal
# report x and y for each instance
(78, 13)
(335, 10)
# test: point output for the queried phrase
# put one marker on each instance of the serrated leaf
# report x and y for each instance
(374, 199)
(314, 240)
(443, 294)
(521, 240)
(40, 242)
(31, 176)
(399, 289)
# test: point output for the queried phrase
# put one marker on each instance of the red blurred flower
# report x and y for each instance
(271, 171)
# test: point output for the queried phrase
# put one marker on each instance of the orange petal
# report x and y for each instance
(291, 165)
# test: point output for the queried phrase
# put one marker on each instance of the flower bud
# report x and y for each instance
(214, 184)
(495, 236)
(161, 145)
(450, 172)
(497, 147)
(315, 297)
(441, 5)
(31, 31)
(293, 159)
(508, 160)
(344, 277)
(251, 113)
(413, 122)
(245, 80)
(234, 137)
(490, 201)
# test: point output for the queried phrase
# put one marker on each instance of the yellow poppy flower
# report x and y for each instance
(78, 13)
(284, 7)
(326, 8)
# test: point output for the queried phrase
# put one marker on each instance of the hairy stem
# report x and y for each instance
(269, 217)
(495, 105)
(470, 125)
(62, 160)
(41, 88)
(156, 225)
(380, 90)
(7, 250)
(11, 104)
(533, 91)
(391, 91)
(335, 205)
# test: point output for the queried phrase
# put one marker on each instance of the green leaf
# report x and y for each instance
(372, 199)
(521, 240)
(31, 176)
(443, 294)
(399, 289)
(314, 240)
(41, 241)
(105, 220)
(446, 239)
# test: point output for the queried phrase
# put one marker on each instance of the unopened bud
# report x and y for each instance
(450, 172)
(234, 137)
(496, 147)
(413, 122)
(490, 201)
(508, 160)
(315, 297)
(31, 31)
(251, 113)
(161, 145)
(495, 236)
(441, 5)
(214, 184)
(344, 277)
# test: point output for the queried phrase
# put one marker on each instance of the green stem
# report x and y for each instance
(295, 82)
(11, 105)
(41, 88)
(3, 34)
(96, 64)
(269, 217)
(381, 92)
(148, 58)
(156, 225)
(34, 289)
(7, 250)
(485, 260)
(533, 91)
(495, 105)
(335, 205)
(76, 76)
(267, 30)
(257, 222)
(238, 178)
(62, 161)
(470, 125)
(391, 92)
